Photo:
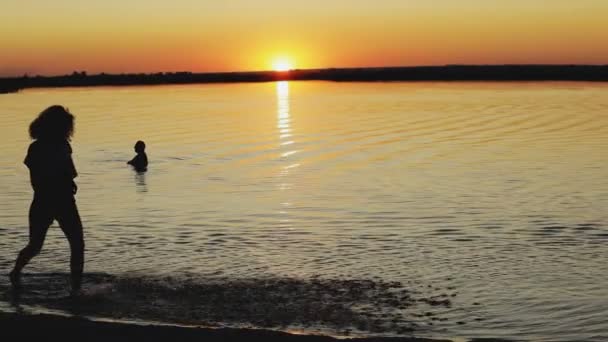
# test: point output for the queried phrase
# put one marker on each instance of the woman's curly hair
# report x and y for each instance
(55, 122)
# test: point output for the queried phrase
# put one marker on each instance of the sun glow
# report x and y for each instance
(282, 64)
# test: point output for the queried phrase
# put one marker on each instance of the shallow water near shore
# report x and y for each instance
(432, 209)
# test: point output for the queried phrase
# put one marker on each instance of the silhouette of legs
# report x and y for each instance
(69, 221)
(42, 213)
(40, 218)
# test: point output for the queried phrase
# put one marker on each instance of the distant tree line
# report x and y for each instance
(597, 73)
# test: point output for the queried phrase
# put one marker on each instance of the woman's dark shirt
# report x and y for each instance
(52, 170)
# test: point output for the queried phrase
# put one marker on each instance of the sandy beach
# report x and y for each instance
(29, 327)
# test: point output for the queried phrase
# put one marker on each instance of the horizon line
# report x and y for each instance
(86, 73)
(454, 72)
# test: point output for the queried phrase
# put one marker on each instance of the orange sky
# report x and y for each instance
(60, 36)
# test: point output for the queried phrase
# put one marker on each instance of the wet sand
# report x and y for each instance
(47, 327)
(339, 307)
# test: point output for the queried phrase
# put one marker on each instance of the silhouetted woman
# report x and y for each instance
(52, 173)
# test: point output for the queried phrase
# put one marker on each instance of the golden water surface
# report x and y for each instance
(496, 191)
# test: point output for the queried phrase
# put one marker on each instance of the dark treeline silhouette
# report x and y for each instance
(429, 73)
(8, 85)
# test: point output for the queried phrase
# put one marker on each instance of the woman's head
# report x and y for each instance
(55, 122)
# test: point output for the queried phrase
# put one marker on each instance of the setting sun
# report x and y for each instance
(282, 64)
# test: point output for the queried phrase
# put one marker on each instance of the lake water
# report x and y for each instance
(432, 209)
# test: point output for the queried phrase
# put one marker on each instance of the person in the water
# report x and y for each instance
(140, 161)
(52, 173)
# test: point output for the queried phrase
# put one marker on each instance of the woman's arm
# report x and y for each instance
(73, 172)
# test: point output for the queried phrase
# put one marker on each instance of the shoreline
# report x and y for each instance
(448, 73)
(38, 326)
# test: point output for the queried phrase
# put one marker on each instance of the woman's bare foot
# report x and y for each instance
(76, 284)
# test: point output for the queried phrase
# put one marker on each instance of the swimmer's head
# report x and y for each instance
(140, 146)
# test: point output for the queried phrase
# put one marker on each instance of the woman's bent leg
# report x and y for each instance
(40, 218)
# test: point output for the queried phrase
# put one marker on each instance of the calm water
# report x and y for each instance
(465, 209)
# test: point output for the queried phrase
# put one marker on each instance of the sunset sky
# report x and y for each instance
(60, 36)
